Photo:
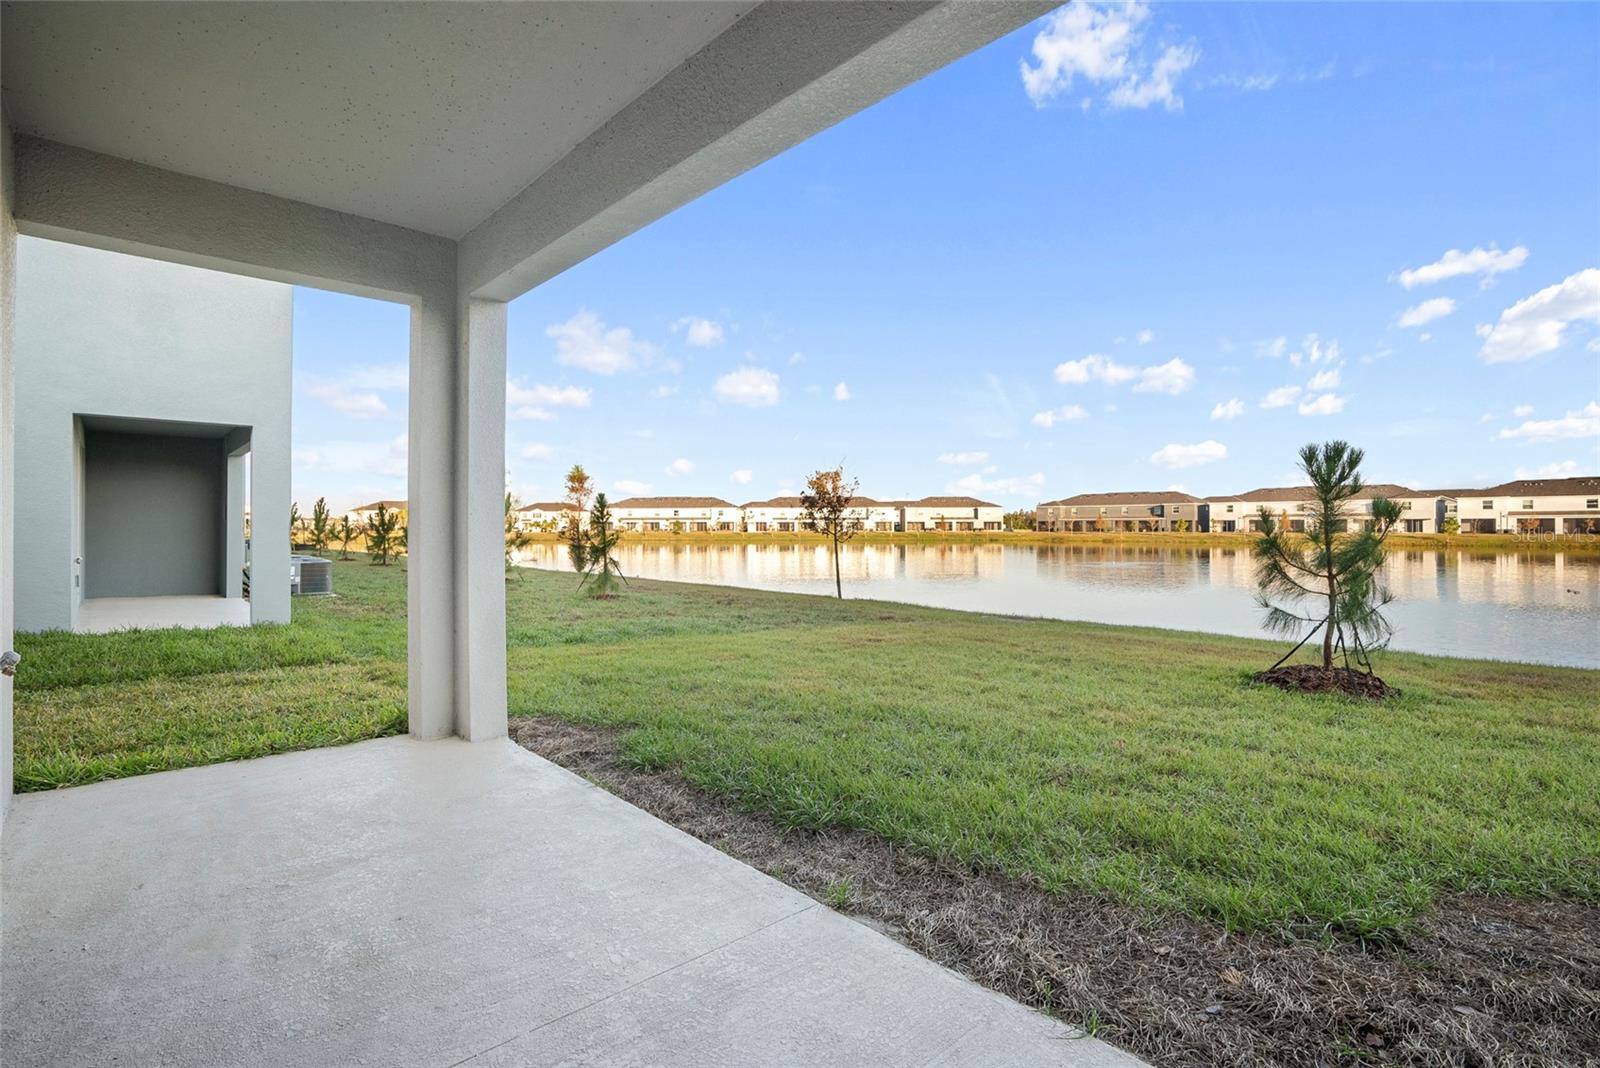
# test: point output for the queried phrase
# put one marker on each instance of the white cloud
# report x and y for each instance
(1323, 380)
(1559, 469)
(1538, 324)
(1064, 414)
(963, 459)
(1324, 404)
(841, 392)
(1272, 347)
(1176, 456)
(1583, 423)
(1159, 86)
(537, 452)
(535, 402)
(1172, 377)
(1027, 486)
(1522, 411)
(796, 357)
(584, 341)
(751, 387)
(1094, 368)
(1427, 311)
(1485, 261)
(1231, 409)
(631, 487)
(1281, 397)
(1100, 43)
(1144, 337)
(744, 476)
(680, 466)
(1313, 351)
(357, 404)
(665, 390)
(1250, 83)
(701, 333)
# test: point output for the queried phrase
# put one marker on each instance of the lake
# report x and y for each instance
(1538, 607)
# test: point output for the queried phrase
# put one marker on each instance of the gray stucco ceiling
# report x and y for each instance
(428, 115)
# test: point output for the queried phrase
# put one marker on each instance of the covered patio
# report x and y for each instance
(431, 900)
(444, 903)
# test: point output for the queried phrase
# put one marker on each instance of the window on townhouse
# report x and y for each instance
(1592, 502)
(1527, 506)
(1488, 506)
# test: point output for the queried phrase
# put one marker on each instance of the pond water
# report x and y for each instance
(1542, 607)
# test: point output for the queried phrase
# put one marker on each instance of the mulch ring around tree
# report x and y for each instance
(1479, 982)
(1310, 678)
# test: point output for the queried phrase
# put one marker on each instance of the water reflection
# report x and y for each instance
(1540, 607)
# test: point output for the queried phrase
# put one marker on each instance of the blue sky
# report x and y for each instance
(1126, 247)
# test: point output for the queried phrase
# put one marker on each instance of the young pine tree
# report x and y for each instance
(1329, 577)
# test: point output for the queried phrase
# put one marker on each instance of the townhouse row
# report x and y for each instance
(1547, 506)
(779, 515)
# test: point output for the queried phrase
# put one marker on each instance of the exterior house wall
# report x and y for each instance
(106, 334)
(8, 265)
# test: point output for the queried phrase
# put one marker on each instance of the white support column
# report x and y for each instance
(456, 589)
(480, 455)
(430, 579)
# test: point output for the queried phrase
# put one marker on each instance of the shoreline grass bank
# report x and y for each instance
(1471, 543)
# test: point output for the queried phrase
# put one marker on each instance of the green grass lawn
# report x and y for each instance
(1137, 763)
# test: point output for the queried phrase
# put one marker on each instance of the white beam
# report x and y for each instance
(71, 194)
(777, 76)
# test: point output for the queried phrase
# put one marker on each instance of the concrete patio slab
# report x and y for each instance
(404, 902)
(101, 615)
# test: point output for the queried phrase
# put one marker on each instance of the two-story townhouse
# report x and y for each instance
(779, 515)
(1122, 511)
(676, 514)
(363, 513)
(1290, 505)
(1532, 505)
(949, 514)
(546, 515)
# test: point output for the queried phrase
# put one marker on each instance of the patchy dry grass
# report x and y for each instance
(1474, 981)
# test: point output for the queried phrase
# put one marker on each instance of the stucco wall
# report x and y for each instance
(102, 333)
(8, 247)
(154, 508)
